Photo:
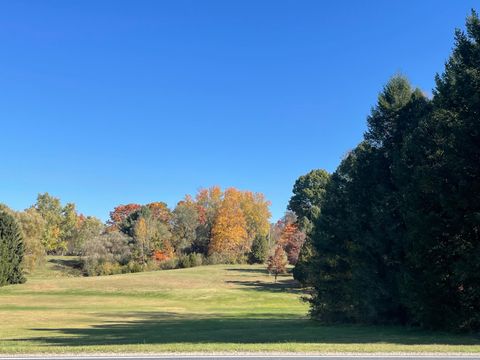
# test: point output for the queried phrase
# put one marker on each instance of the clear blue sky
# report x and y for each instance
(110, 102)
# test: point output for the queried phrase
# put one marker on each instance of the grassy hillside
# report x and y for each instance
(209, 308)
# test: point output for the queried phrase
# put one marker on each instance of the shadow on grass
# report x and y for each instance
(165, 328)
(67, 263)
(250, 271)
(288, 285)
(71, 266)
(284, 283)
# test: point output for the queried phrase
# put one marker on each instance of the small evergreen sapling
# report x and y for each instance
(259, 252)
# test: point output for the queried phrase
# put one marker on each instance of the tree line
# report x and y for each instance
(394, 231)
(214, 226)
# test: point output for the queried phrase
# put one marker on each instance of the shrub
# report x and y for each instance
(109, 248)
(196, 259)
(109, 268)
(168, 264)
(190, 260)
(184, 261)
(133, 267)
(159, 255)
(219, 258)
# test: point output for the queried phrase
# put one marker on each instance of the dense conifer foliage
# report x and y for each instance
(11, 250)
(398, 238)
(259, 252)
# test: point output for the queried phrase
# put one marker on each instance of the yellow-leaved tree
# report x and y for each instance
(142, 237)
(229, 232)
(256, 212)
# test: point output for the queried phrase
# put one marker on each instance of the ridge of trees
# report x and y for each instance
(397, 235)
(215, 226)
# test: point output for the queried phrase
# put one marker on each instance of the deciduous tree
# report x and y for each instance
(256, 212)
(120, 213)
(33, 226)
(308, 194)
(50, 209)
(229, 233)
(184, 225)
(292, 240)
(277, 263)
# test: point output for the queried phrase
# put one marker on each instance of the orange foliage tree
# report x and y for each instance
(229, 232)
(120, 213)
(166, 253)
(292, 240)
(277, 263)
(160, 211)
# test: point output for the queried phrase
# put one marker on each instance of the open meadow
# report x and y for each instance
(204, 309)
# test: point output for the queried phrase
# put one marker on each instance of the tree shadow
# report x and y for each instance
(250, 271)
(287, 285)
(71, 266)
(167, 328)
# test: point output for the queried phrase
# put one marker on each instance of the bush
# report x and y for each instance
(168, 264)
(184, 261)
(109, 268)
(196, 259)
(218, 258)
(190, 260)
(133, 267)
(106, 254)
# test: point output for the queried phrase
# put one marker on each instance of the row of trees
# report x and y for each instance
(214, 223)
(396, 236)
(215, 226)
(47, 227)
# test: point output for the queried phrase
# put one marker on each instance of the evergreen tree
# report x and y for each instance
(442, 209)
(11, 251)
(331, 271)
(399, 233)
(259, 252)
(358, 240)
(377, 203)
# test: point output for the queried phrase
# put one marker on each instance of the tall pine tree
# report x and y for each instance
(443, 196)
(398, 238)
(11, 251)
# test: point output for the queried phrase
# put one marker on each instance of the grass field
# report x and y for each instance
(204, 309)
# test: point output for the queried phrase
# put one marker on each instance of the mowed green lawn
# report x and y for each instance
(205, 309)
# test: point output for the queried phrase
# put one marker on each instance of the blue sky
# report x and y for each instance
(111, 102)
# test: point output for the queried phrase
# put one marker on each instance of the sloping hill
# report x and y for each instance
(208, 308)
